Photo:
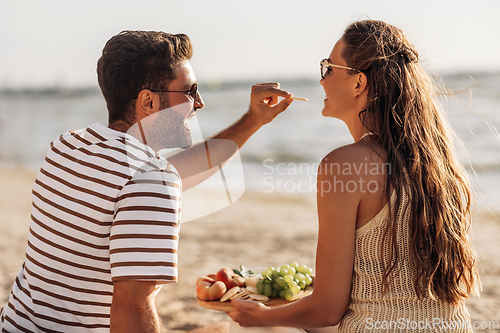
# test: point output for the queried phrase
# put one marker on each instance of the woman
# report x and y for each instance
(393, 250)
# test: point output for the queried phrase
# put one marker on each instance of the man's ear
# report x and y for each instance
(144, 103)
(361, 84)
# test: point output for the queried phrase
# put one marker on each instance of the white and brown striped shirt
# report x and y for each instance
(105, 208)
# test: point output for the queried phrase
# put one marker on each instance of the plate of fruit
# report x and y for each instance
(273, 286)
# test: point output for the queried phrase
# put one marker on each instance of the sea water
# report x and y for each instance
(282, 157)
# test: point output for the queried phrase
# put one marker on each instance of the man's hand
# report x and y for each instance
(264, 106)
(133, 307)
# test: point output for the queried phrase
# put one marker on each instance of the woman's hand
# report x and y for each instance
(247, 313)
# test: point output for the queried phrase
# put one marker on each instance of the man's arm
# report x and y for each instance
(133, 307)
(192, 163)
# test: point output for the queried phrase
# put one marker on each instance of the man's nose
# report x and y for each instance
(198, 101)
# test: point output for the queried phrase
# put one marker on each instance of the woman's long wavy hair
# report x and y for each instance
(402, 110)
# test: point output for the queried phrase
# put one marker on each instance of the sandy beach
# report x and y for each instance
(260, 229)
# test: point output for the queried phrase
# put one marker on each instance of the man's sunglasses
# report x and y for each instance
(191, 92)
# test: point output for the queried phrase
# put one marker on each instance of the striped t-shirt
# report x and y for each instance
(105, 208)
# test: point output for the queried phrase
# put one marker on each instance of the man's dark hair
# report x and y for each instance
(136, 60)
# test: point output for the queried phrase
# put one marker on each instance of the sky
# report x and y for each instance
(55, 43)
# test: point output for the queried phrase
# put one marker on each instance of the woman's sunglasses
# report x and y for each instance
(325, 67)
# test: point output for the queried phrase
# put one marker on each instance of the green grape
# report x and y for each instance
(260, 282)
(260, 288)
(302, 285)
(275, 293)
(309, 271)
(294, 265)
(291, 271)
(275, 273)
(295, 289)
(282, 293)
(302, 269)
(285, 266)
(283, 271)
(299, 276)
(289, 294)
(309, 279)
(292, 284)
(276, 286)
(280, 281)
(288, 278)
(265, 274)
(268, 290)
(270, 269)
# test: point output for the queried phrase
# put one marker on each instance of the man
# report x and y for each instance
(106, 206)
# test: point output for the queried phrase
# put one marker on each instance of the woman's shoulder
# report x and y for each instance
(358, 173)
(361, 152)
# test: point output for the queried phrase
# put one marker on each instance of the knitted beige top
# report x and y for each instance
(399, 310)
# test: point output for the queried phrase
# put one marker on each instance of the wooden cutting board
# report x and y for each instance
(226, 306)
